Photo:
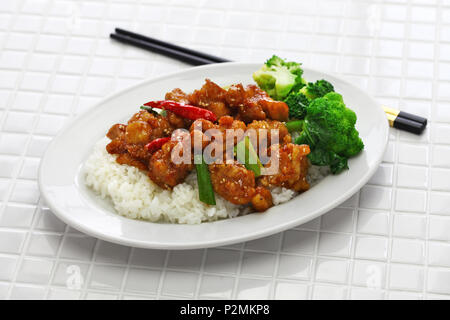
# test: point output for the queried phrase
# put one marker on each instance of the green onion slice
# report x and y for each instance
(205, 188)
(247, 155)
(148, 109)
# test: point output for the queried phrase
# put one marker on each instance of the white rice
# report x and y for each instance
(135, 196)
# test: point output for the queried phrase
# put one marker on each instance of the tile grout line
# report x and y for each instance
(75, 102)
(431, 148)
(136, 7)
(162, 277)
(274, 280)
(237, 276)
(273, 285)
(56, 66)
(201, 274)
(29, 231)
(10, 100)
(353, 259)
(395, 169)
(355, 210)
(314, 264)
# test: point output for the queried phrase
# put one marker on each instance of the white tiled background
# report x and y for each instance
(391, 240)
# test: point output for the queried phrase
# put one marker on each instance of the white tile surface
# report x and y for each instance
(405, 277)
(389, 241)
(291, 291)
(258, 264)
(253, 289)
(331, 270)
(106, 278)
(142, 281)
(179, 284)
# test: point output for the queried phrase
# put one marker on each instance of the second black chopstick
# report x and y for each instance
(405, 121)
(179, 55)
(171, 46)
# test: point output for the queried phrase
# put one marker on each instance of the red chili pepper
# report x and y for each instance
(157, 144)
(183, 110)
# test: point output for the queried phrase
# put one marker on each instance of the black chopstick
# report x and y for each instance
(405, 121)
(171, 46)
(397, 119)
(179, 55)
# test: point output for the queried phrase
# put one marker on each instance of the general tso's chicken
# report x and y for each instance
(241, 100)
(118, 145)
(236, 95)
(163, 171)
(240, 110)
(129, 141)
(158, 127)
(292, 168)
(261, 131)
(143, 128)
(233, 182)
(237, 184)
(212, 97)
(253, 103)
(232, 131)
(177, 95)
(117, 136)
(198, 136)
(275, 110)
(228, 132)
(126, 158)
(262, 200)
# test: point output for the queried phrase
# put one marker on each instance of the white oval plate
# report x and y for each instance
(62, 183)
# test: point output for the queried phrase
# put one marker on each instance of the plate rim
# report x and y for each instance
(212, 243)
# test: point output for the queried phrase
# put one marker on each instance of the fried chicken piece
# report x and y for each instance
(252, 103)
(212, 97)
(203, 125)
(275, 110)
(127, 159)
(251, 111)
(228, 122)
(177, 95)
(137, 135)
(292, 170)
(138, 132)
(159, 125)
(141, 116)
(117, 135)
(236, 184)
(143, 128)
(233, 182)
(163, 171)
(117, 146)
(262, 200)
(236, 95)
(210, 133)
(232, 132)
(117, 131)
(265, 136)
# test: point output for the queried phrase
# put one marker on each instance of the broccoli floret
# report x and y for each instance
(317, 90)
(298, 104)
(277, 77)
(329, 130)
